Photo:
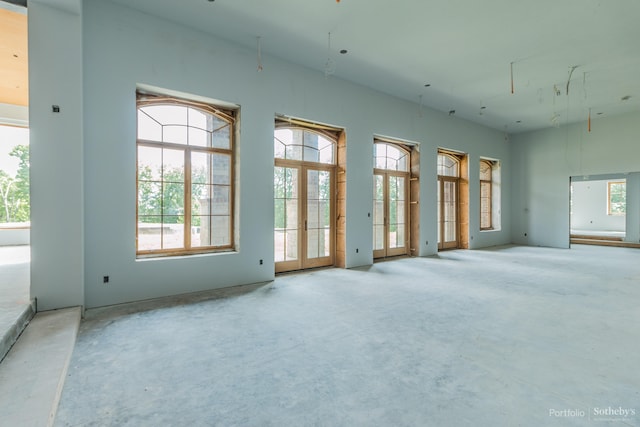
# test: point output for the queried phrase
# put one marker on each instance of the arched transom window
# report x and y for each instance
(390, 157)
(448, 165)
(292, 143)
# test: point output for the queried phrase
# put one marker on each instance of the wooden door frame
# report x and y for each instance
(386, 251)
(302, 262)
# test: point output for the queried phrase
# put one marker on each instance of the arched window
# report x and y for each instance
(486, 169)
(185, 176)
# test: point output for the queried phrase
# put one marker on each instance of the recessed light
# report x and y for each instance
(626, 97)
(343, 51)
(483, 107)
(600, 113)
(427, 85)
(518, 121)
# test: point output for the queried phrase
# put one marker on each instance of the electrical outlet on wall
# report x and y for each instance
(104, 280)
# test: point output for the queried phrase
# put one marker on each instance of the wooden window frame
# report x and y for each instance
(488, 182)
(144, 99)
(609, 184)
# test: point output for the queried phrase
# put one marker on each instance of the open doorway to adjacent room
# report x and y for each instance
(598, 210)
(15, 302)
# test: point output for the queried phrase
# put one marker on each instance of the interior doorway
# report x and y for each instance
(304, 197)
(598, 210)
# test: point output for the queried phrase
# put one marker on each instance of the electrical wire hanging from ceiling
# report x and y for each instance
(330, 65)
(259, 50)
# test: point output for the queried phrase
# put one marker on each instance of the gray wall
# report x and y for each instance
(56, 156)
(124, 48)
(545, 160)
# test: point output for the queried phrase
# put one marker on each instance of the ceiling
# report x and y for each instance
(14, 75)
(471, 53)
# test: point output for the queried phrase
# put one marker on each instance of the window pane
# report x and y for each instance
(172, 232)
(198, 137)
(149, 233)
(201, 197)
(221, 138)
(200, 164)
(149, 198)
(221, 202)
(197, 119)
(174, 134)
(148, 128)
(221, 169)
(149, 163)
(167, 114)
(172, 165)
(200, 231)
(172, 199)
(220, 231)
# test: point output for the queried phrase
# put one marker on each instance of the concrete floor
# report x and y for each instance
(15, 305)
(513, 336)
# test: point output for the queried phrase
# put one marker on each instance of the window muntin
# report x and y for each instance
(292, 143)
(616, 198)
(486, 169)
(390, 157)
(185, 176)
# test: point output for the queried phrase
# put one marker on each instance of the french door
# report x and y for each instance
(304, 216)
(390, 214)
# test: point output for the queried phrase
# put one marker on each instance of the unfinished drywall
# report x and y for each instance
(56, 156)
(124, 48)
(545, 161)
(589, 207)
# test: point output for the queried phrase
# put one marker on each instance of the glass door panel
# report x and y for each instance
(397, 207)
(390, 199)
(318, 224)
(378, 216)
(447, 213)
(286, 216)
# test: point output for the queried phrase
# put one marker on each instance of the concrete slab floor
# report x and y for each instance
(32, 374)
(511, 336)
(15, 305)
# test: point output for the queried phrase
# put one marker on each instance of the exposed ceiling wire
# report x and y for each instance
(259, 49)
(330, 65)
(572, 69)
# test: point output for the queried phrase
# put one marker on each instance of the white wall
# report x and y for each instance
(545, 160)
(123, 48)
(589, 207)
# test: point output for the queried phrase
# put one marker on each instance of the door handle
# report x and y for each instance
(305, 225)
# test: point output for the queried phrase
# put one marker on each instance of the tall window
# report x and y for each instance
(616, 198)
(486, 169)
(185, 177)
